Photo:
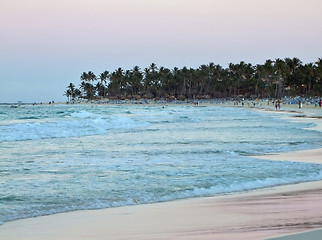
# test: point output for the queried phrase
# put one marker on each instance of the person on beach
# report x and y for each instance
(278, 104)
(320, 103)
(300, 104)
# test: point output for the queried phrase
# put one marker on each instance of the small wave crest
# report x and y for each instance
(235, 187)
(79, 124)
(251, 185)
(84, 115)
(10, 199)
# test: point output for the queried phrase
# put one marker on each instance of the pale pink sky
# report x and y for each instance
(46, 44)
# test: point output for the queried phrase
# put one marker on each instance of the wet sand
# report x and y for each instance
(258, 214)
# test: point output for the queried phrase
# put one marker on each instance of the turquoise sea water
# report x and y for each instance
(60, 158)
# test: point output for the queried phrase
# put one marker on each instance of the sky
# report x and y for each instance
(46, 44)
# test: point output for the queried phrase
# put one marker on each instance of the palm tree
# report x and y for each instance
(280, 73)
(84, 76)
(260, 73)
(318, 78)
(103, 77)
(86, 85)
(136, 81)
(89, 90)
(154, 78)
(210, 78)
(203, 74)
(175, 81)
(185, 73)
(76, 93)
(292, 79)
(151, 81)
(67, 93)
(232, 82)
(191, 74)
(91, 76)
(269, 77)
(153, 67)
(117, 85)
(70, 92)
(100, 89)
(165, 77)
(71, 87)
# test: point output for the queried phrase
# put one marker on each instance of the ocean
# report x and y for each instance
(60, 158)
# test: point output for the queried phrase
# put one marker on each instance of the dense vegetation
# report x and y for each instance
(273, 79)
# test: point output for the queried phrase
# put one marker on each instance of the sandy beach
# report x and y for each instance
(260, 214)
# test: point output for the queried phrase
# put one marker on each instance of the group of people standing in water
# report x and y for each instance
(277, 104)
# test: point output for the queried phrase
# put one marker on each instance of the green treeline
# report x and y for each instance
(273, 79)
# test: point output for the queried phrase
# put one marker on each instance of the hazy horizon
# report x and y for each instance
(45, 44)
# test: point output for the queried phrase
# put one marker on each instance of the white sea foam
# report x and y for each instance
(83, 123)
(241, 186)
(85, 115)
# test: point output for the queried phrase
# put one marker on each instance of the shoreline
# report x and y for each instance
(253, 215)
(256, 214)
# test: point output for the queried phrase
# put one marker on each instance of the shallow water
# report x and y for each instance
(60, 158)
